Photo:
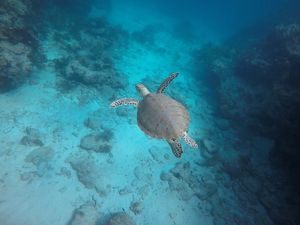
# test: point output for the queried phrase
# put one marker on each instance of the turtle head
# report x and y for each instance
(142, 90)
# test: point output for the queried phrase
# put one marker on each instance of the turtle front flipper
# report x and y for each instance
(166, 82)
(124, 101)
(176, 147)
(190, 141)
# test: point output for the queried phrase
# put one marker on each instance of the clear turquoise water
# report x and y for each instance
(66, 157)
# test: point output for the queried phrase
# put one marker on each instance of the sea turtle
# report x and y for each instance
(160, 116)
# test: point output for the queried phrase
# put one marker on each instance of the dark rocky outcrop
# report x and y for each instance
(257, 89)
(93, 66)
(18, 43)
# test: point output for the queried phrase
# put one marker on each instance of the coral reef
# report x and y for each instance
(93, 66)
(15, 64)
(257, 88)
(13, 13)
(230, 179)
(92, 74)
(18, 43)
(271, 72)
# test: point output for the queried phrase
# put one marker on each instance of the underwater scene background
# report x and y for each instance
(67, 158)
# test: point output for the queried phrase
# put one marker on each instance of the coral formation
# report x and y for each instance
(13, 12)
(92, 74)
(93, 66)
(15, 64)
(257, 88)
(59, 163)
(17, 43)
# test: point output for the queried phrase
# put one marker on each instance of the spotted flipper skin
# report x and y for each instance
(166, 82)
(190, 141)
(176, 147)
(124, 101)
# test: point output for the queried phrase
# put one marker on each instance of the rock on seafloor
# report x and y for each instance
(86, 214)
(93, 121)
(32, 138)
(99, 142)
(136, 207)
(40, 155)
(90, 173)
(41, 158)
(120, 218)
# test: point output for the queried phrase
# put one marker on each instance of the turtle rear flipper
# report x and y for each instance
(166, 82)
(176, 147)
(190, 141)
(124, 101)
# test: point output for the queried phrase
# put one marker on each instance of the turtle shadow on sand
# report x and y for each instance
(160, 116)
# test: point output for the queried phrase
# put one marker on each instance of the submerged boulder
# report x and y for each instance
(100, 142)
(120, 218)
(41, 158)
(90, 173)
(86, 214)
(93, 121)
(32, 137)
(136, 207)
(40, 155)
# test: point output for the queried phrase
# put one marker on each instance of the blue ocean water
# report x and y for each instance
(68, 156)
